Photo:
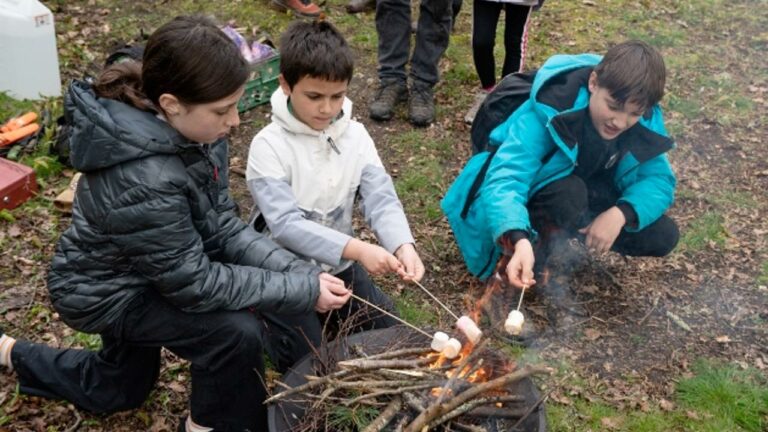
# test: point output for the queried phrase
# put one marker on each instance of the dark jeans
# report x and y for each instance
(485, 17)
(393, 25)
(569, 204)
(292, 336)
(224, 348)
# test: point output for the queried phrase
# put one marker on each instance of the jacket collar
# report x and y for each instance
(567, 94)
(282, 115)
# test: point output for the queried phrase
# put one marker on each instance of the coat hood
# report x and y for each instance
(282, 115)
(107, 132)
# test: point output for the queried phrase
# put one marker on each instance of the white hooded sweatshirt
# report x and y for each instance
(304, 183)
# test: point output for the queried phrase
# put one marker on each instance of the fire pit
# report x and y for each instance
(517, 402)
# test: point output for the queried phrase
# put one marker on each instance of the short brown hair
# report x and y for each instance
(315, 49)
(633, 71)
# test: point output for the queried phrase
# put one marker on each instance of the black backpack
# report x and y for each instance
(511, 92)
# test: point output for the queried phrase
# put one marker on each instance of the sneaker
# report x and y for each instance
(421, 105)
(304, 8)
(479, 99)
(387, 97)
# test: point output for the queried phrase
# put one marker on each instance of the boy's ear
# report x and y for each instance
(592, 84)
(284, 85)
(170, 104)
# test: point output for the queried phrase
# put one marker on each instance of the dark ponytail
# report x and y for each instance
(122, 81)
(188, 57)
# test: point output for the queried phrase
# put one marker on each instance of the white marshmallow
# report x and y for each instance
(469, 328)
(439, 340)
(452, 348)
(514, 323)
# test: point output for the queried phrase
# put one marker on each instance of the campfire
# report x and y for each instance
(411, 381)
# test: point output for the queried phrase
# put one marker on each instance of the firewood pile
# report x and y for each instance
(412, 388)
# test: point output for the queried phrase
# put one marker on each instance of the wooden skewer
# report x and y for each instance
(435, 299)
(362, 300)
(522, 293)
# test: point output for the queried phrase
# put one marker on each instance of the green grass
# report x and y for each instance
(705, 229)
(415, 309)
(84, 340)
(348, 419)
(763, 277)
(717, 398)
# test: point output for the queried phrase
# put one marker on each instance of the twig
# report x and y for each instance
(653, 308)
(386, 416)
(531, 409)
(435, 299)
(365, 364)
(678, 321)
(389, 392)
(308, 385)
(78, 420)
(398, 353)
(469, 428)
(437, 410)
(522, 293)
(391, 315)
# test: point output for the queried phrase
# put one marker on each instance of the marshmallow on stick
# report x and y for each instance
(439, 341)
(452, 348)
(469, 328)
(514, 323)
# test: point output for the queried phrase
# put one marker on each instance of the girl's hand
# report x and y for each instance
(333, 293)
(603, 231)
(409, 258)
(520, 267)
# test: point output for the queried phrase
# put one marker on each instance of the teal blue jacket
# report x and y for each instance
(538, 145)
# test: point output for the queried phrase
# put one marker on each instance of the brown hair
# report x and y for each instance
(314, 49)
(188, 57)
(633, 71)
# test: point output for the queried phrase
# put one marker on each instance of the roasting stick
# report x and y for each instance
(435, 299)
(522, 293)
(362, 300)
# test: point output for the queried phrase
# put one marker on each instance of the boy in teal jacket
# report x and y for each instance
(585, 155)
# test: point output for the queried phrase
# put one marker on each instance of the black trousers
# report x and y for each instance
(291, 337)
(485, 18)
(569, 204)
(224, 348)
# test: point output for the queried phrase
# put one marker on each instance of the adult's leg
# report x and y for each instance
(516, 20)
(393, 21)
(432, 37)
(485, 18)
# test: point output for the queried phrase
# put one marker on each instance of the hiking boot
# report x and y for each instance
(421, 105)
(357, 6)
(303, 8)
(387, 96)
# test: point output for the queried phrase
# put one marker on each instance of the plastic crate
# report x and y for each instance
(262, 83)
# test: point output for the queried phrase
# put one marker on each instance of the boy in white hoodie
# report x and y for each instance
(305, 170)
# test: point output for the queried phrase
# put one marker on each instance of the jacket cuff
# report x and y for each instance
(509, 238)
(629, 214)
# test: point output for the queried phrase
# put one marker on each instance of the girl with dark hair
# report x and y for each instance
(155, 255)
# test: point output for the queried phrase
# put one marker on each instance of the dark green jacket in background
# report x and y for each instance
(152, 211)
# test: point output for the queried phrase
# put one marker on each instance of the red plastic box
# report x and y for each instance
(17, 184)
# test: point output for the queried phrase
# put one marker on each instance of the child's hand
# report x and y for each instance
(409, 258)
(603, 231)
(520, 267)
(333, 293)
(378, 260)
